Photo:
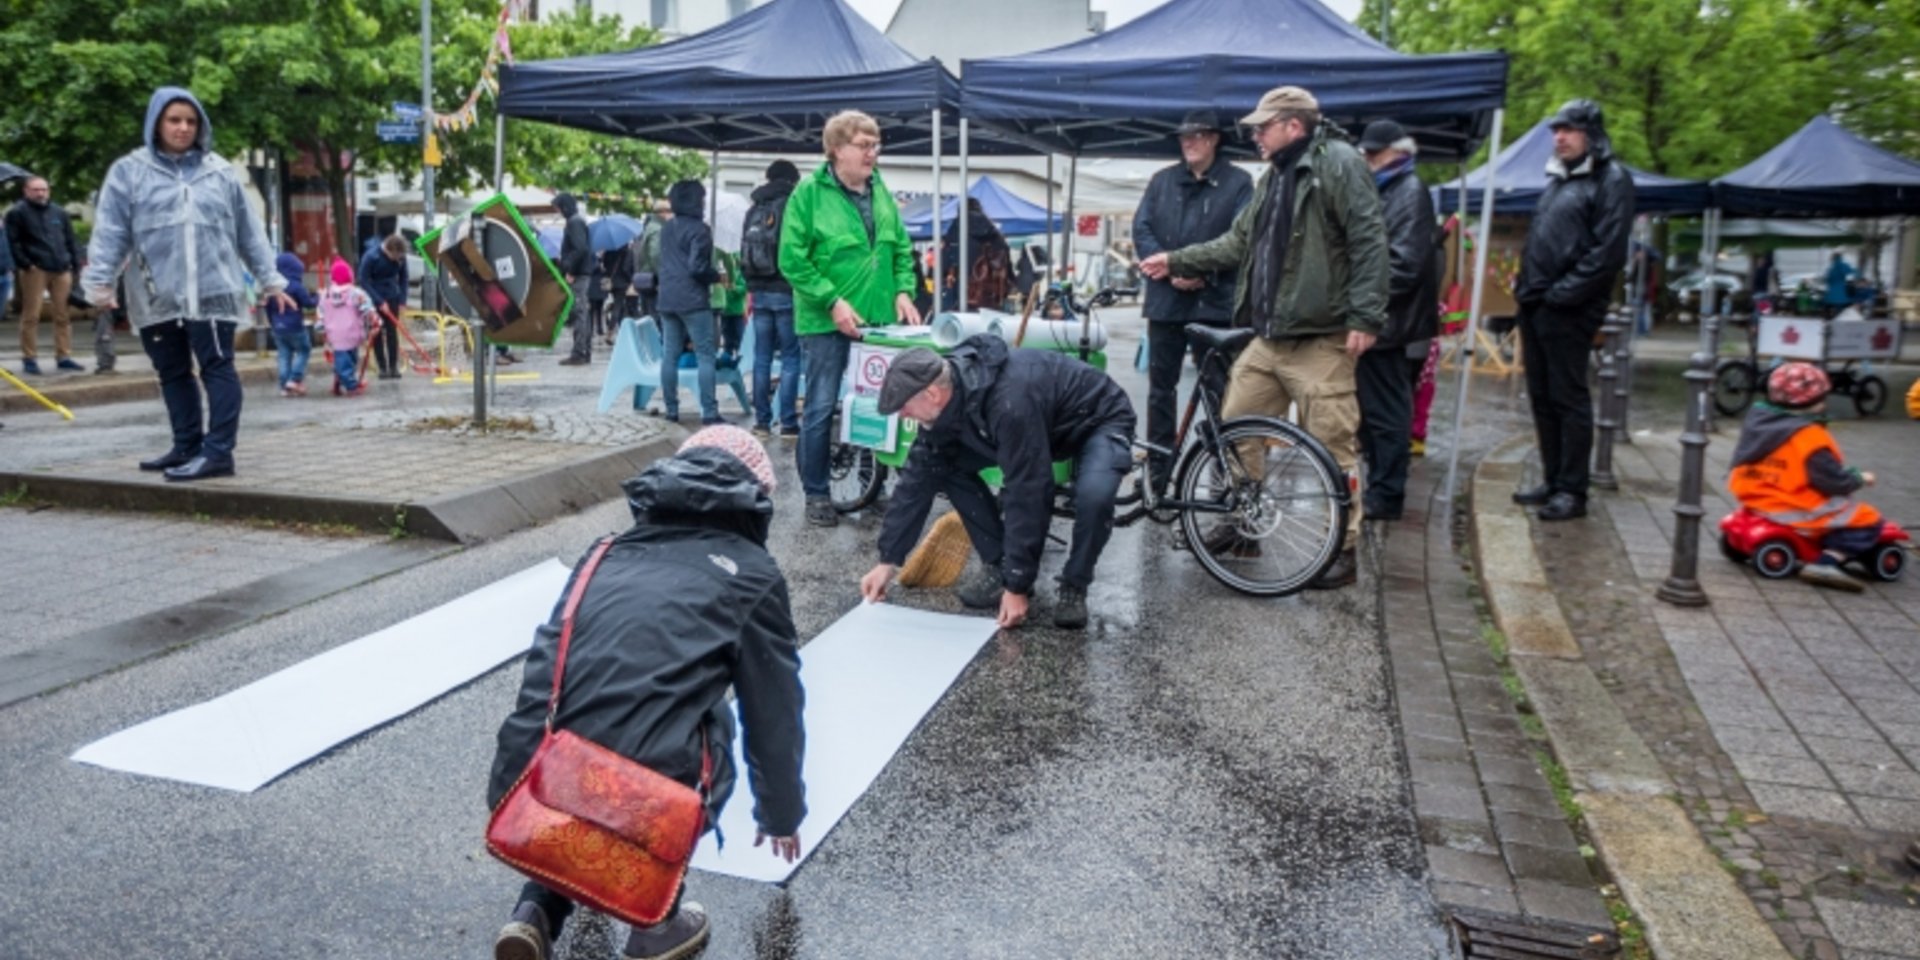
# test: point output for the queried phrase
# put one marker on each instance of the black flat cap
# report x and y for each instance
(912, 371)
(1380, 135)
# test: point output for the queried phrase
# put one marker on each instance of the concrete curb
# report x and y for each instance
(465, 516)
(129, 385)
(1691, 908)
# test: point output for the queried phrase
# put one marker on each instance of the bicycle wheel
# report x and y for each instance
(1869, 396)
(854, 477)
(1286, 505)
(1733, 386)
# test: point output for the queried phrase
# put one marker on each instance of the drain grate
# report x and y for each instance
(1499, 936)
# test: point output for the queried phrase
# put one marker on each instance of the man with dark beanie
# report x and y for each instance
(1576, 245)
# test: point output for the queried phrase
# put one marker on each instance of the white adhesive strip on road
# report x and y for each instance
(245, 739)
(870, 679)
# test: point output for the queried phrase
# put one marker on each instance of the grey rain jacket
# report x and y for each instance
(181, 229)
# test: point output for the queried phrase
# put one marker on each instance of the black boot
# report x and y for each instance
(675, 938)
(1070, 609)
(200, 468)
(167, 461)
(1564, 506)
(1534, 497)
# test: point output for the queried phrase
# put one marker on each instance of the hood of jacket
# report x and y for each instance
(705, 486)
(158, 105)
(1767, 428)
(774, 191)
(688, 199)
(979, 226)
(1588, 116)
(290, 267)
(977, 363)
(566, 204)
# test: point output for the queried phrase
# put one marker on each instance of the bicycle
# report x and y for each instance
(1278, 500)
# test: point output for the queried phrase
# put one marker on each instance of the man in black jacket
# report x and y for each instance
(1576, 245)
(1381, 376)
(576, 264)
(1191, 202)
(47, 255)
(685, 605)
(686, 266)
(986, 405)
(773, 331)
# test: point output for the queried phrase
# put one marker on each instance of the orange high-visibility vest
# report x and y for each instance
(1776, 487)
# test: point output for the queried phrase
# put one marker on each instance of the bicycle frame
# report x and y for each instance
(1203, 404)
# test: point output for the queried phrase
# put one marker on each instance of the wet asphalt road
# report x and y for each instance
(1199, 774)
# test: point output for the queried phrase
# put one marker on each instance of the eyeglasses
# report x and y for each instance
(865, 146)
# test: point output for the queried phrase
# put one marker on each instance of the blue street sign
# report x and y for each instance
(407, 111)
(406, 131)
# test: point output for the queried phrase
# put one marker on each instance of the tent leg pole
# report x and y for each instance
(938, 263)
(1473, 309)
(1460, 249)
(1073, 183)
(499, 152)
(1049, 272)
(713, 191)
(962, 222)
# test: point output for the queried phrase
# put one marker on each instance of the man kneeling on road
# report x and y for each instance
(987, 405)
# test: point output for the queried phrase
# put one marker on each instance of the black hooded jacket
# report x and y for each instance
(1413, 268)
(576, 244)
(1019, 410)
(685, 267)
(1577, 240)
(686, 604)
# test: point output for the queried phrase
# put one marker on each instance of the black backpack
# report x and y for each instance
(760, 241)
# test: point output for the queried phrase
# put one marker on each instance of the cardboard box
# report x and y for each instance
(493, 270)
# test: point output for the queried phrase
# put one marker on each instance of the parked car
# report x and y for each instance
(1731, 291)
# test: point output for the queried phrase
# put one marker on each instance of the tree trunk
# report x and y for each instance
(337, 175)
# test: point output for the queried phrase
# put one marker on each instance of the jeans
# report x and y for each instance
(174, 348)
(346, 369)
(295, 347)
(675, 330)
(773, 327)
(826, 365)
(6, 292)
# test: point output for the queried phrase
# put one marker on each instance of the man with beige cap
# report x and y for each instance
(1312, 253)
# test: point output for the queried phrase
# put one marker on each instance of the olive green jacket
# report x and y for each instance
(1335, 275)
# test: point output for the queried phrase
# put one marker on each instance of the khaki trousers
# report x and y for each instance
(1317, 374)
(34, 284)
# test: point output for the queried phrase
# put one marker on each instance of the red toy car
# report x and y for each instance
(1777, 550)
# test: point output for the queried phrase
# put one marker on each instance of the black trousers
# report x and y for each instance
(558, 908)
(1167, 350)
(1385, 394)
(386, 345)
(1555, 346)
(174, 347)
(1098, 468)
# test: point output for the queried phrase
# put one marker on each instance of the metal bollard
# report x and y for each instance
(1608, 419)
(1682, 587)
(1712, 327)
(1623, 384)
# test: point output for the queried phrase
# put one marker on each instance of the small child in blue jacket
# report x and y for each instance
(290, 331)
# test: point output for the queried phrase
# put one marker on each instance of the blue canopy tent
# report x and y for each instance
(1823, 170)
(1014, 215)
(1521, 177)
(1122, 92)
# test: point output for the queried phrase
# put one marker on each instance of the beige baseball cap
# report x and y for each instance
(1277, 100)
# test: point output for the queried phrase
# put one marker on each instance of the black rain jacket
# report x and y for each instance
(1413, 263)
(1577, 240)
(1019, 410)
(1180, 210)
(686, 604)
(685, 267)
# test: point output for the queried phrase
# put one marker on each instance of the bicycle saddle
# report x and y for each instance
(1227, 340)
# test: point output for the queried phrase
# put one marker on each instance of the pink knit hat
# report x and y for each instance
(739, 443)
(1797, 385)
(341, 273)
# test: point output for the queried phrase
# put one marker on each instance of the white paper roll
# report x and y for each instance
(951, 328)
(1062, 335)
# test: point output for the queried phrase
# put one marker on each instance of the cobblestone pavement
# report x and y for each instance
(1788, 717)
(617, 428)
(74, 570)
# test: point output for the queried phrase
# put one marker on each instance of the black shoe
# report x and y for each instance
(820, 512)
(1533, 498)
(575, 362)
(68, 363)
(675, 938)
(527, 937)
(1226, 543)
(1564, 506)
(167, 461)
(200, 468)
(715, 422)
(1343, 573)
(789, 433)
(1070, 610)
(1382, 512)
(982, 589)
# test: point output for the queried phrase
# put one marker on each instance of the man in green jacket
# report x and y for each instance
(847, 256)
(1312, 253)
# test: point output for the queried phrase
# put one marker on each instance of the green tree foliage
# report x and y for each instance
(311, 76)
(1691, 88)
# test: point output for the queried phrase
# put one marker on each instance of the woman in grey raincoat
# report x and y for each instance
(173, 216)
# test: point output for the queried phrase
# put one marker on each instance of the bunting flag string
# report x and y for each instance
(501, 50)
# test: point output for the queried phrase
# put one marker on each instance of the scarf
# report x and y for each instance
(1276, 229)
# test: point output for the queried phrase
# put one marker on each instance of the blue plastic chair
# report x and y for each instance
(635, 363)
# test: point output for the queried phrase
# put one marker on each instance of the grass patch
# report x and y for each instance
(323, 530)
(1562, 786)
(1736, 819)
(1633, 939)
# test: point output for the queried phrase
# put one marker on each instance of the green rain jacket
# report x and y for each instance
(826, 255)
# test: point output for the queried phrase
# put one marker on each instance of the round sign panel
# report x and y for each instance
(512, 266)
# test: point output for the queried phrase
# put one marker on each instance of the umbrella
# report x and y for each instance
(550, 239)
(730, 221)
(10, 173)
(613, 231)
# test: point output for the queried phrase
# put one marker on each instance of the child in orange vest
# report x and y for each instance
(1787, 468)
